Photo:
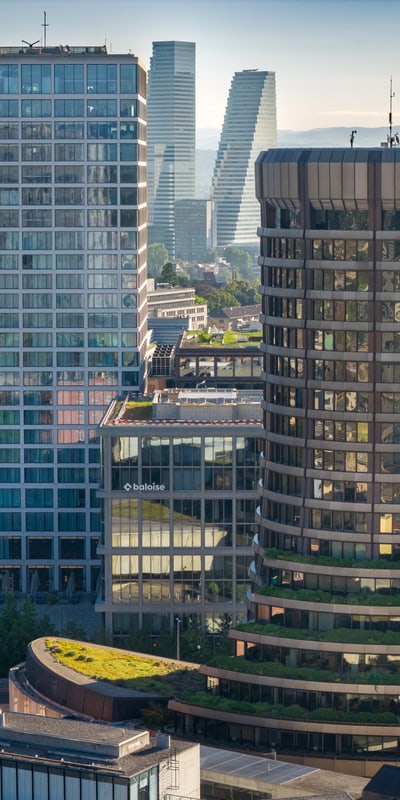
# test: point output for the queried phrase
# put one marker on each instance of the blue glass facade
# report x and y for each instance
(72, 296)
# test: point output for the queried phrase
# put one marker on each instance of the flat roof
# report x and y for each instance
(262, 770)
(80, 744)
(298, 781)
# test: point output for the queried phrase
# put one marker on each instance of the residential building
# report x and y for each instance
(179, 492)
(43, 758)
(171, 136)
(325, 576)
(195, 229)
(171, 302)
(249, 127)
(73, 296)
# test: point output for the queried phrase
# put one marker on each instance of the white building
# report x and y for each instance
(249, 126)
(171, 136)
(170, 302)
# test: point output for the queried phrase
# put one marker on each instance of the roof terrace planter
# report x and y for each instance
(232, 666)
(377, 641)
(362, 603)
(324, 564)
(293, 712)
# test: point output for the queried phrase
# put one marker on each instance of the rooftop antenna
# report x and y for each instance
(352, 135)
(45, 25)
(393, 138)
(30, 44)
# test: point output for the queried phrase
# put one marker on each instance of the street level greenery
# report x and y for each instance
(294, 711)
(151, 675)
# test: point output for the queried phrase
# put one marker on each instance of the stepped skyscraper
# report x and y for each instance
(317, 671)
(171, 136)
(73, 297)
(249, 127)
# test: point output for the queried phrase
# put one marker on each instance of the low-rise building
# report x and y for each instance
(179, 490)
(42, 758)
(170, 302)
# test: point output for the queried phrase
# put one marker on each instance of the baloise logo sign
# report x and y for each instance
(144, 487)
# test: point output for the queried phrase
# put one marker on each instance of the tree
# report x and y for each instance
(157, 256)
(168, 275)
(18, 627)
(241, 259)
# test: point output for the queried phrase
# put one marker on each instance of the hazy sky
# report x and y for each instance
(333, 58)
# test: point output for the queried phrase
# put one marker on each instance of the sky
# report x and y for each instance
(333, 59)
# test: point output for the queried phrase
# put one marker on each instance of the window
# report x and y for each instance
(9, 79)
(68, 79)
(128, 78)
(69, 108)
(35, 108)
(36, 78)
(102, 78)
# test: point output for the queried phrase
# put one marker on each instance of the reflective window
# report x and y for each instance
(36, 152)
(36, 174)
(35, 130)
(102, 78)
(8, 108)
(69, 174)
(9, 152)
(128, 78)
(70, 218)
(69, 108)
(9, 79)
(69, 130)
(68, 79)
(35, 108)
(102, 152)
(101, 108)
(68, 152)
(101, 174)
(102, 130)
(36, 78)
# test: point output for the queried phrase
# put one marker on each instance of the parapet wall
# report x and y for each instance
(52, 689)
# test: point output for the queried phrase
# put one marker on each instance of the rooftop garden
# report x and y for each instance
(222, 339)
(129, 670)
(340, 635)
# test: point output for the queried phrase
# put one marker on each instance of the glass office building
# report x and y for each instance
(179, 489)
(249, 127)
(324, 624)
(72, 298)
(171, 135)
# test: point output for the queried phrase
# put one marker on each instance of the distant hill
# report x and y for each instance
(208, 139)
(332, 137)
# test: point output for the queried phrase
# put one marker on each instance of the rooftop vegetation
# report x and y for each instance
(274, 670)
(290, 712)
(344, 635)
(223, 339)
(328, 561)
(364, 598)
(130, 670)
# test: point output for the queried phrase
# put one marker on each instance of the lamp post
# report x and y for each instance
(178, 638)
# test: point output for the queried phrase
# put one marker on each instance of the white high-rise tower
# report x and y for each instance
(249, 127)
(171, 136)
